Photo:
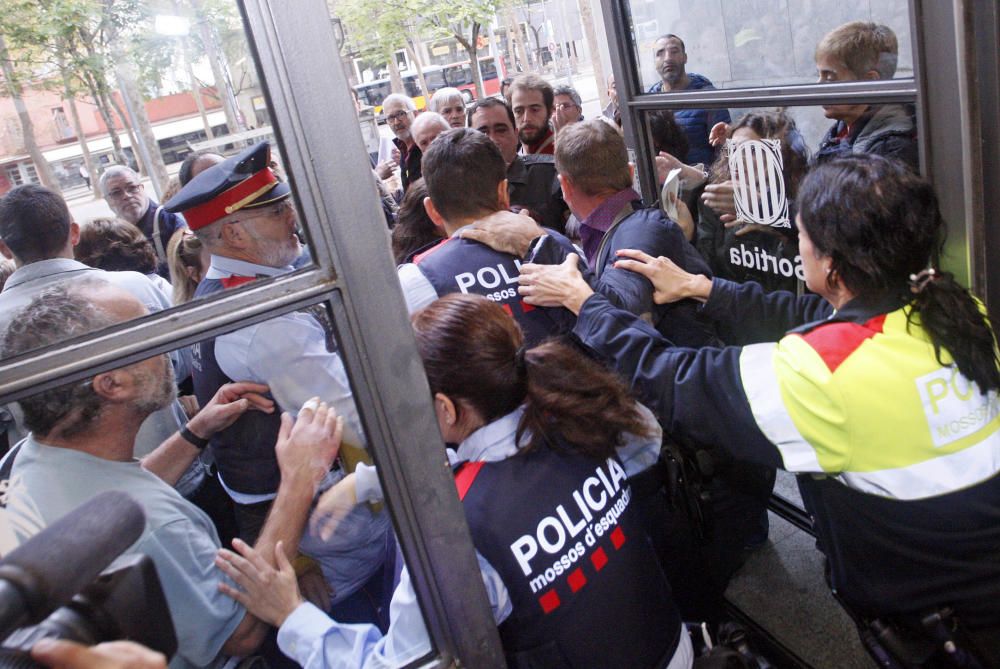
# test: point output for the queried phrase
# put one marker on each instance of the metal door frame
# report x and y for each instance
(956, 87)
(323, 151)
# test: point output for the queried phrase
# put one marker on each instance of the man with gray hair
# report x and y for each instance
(245, 218)
(428, 126)
(82, 444)
(38, 233)
(399, 111)
(450, 103)
(127, 197)
(567, 107)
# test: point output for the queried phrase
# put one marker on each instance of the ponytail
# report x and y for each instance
(573, 396)
(955, 322)
(880, 225)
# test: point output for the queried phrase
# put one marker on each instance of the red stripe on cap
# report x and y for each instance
(228, 201)
(577, 579)
(617, 538)
(837, 341)
(465, 477)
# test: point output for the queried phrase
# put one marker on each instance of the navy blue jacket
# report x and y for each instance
(169, 224)
(651, 231)
(887, 556)
(697, 123)
(595, 594)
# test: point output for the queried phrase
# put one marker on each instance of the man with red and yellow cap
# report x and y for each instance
(243, 215)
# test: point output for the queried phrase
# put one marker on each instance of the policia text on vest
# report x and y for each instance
(593, 512)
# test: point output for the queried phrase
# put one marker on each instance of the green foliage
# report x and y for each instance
(378, 28)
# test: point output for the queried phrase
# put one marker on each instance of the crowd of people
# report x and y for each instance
(580, 346)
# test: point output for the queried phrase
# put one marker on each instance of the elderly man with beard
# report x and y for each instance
(245, 218)
(126, 195)
(82, 443)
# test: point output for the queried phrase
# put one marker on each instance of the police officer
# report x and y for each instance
(570, 576)
(885, 394)
(531, 179)
(464, 172)
(244, 217)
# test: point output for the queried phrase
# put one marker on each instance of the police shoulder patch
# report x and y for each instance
(836, 341)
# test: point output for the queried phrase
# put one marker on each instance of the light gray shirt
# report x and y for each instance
(28, 281)
(48, 482)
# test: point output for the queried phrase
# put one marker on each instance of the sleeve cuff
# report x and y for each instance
(589, 318)
(301, 631)
(720, 299)
(367, 487)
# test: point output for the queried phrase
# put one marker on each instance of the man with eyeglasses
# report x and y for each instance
(568, 107)
(245, 218)
(399, 112)
(127, 197)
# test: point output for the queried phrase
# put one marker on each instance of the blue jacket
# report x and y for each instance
(697, 123)
(651, 231)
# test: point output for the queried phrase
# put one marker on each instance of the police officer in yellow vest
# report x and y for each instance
(884, 396)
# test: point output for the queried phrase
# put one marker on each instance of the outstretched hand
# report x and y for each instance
(721, 199)
(230, 402)
(333, 506)
(554, 285)
(307, 445)
(268, 593)
(717, 135)
(670, 282)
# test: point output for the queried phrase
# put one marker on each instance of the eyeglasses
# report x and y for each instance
(563, 106)
(277, 209)
(395, 116)
(119, 193)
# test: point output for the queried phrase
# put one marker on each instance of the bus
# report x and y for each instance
(457, 75)
(372, 93)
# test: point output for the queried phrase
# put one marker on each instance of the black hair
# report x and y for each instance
(462, 169)
(474, 352)
(673, 36)
(184, 173)
(414, 229)
(667, 134)
(880, 224)
(488, 103)
(34, 223)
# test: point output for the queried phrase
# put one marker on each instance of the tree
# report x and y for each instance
(377, 29)
(462, 20)
(13, 86)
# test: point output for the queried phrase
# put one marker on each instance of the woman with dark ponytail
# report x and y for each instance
(545, 440)
(539, 431)
(882, 387)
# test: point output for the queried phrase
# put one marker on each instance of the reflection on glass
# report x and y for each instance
(743, 243)
(125, 118)
(207, 421)
(740, 43)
